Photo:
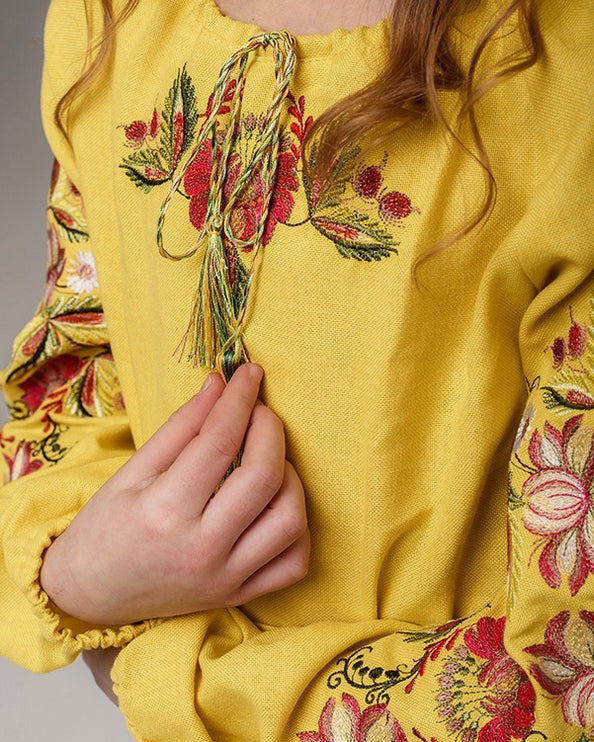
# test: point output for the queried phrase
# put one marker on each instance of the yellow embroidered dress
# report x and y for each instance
(444, 430)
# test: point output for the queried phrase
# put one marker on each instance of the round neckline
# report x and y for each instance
(236, 32)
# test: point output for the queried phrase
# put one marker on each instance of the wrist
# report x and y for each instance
(56, 580)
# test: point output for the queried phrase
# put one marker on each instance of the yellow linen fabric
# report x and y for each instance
(443, 429)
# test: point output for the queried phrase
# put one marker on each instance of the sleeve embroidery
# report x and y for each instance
(61, 362)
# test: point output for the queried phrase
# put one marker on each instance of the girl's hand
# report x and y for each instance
(154, 542)
(100, 662)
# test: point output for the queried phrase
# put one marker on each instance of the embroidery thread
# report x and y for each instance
(240, 174)
(564, 667)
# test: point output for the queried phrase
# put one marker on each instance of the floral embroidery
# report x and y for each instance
(68, 324)
(159, 145)
(482, 693)
(573, 359)
(65, 208)
(557, 498)
(356, 233)
(241, 179)
(564, 666)
(56, 259)
(481, 682)
(61, 361)
(82, 276)
(376, 681)
(345, 722)
(21, 463)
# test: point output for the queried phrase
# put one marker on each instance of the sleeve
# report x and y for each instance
(68, 430)
(68, 433)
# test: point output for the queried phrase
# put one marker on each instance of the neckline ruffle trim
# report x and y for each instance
(310, 46)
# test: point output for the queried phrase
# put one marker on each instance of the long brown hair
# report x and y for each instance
(421, 62)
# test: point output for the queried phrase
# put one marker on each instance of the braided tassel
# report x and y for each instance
(214, 337)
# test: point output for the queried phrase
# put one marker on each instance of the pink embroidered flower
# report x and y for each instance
(564, 666)
(484, 695)
(248, 208)
(345, 722)
(82, 277)
(367, 181)
(394, 206)
(510, 699)
(48, 378)
(573, 347)
(558, 500)
(21, 463)
(138, 131)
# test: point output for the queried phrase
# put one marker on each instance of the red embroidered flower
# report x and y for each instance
(565, 666)
(484, 695)
(559, 502)
(345, 722)
(367, 181)
(48, 378)
(510, 699)
(248, 208)
(138, 131)
(197, 184)
(394, 206)
(573, 347)
(21, 463)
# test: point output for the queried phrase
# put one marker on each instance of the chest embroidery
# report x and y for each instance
(356, 210)
(240, 173)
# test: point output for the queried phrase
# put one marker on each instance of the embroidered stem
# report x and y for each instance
(214, 337)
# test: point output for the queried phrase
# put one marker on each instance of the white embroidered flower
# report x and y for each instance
(524, 427)
(82, 276)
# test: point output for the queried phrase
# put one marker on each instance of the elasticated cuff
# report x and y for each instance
(75, 634)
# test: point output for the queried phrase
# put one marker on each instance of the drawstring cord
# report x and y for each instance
(214, 333)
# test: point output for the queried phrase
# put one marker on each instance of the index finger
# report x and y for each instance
(192, 478)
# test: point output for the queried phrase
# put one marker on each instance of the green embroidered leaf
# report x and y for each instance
(341, 174)
(68, 226)
(145, 180)
(356, 235)
(95, 391)
(514, 499)
(145, 169)
(573, 399)
(66, 325)
(440, 632)
(180, 116)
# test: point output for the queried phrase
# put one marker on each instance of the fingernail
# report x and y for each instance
(255, 371)
(207, 383)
